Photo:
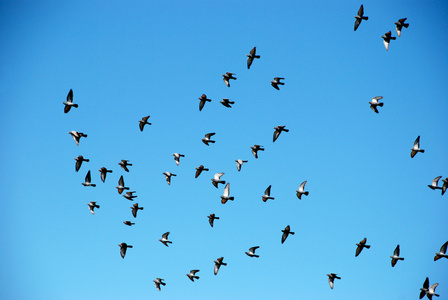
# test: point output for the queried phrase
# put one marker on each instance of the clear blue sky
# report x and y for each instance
(126, 60)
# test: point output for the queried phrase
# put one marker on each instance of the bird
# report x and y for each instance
(143, 122)
(199, 171)
(276, 82)
(425, 288)
(301, 191)
(445, 185)
(361, 245)
(225, 195)
(226, 102)
(239, 163)
(135, 208)
(158, 282)
(79, 160)
(386, 39)
(434, 184)
(87, 181)
(202, 101)
(121, 186)
(396, 257)
(360, 16)
(416, 147)
(277, 132)
(129, 223)
(331, 278)
(124, 163)
(432, 291)
(374, 103)
(192, 275)
(212, 218)
(164, 240)
(442, 252)
(77, 136)
(218, 263)
(92, 205)
(103, 172)
(69, 103)
(207, 139)
(123, 248)
(251, 252)
(255, 148)
(287, 231)
(168, 177)
(216, 179)
(177, 156)
(267, 195)
(227, 77)
(129, 195)
(399, 25)
(251, 56)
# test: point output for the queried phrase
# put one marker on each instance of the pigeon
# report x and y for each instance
(286, 232)
(277, 132)
(203, 99)
(77, 136)
(135, 208)
(79, 161)
(267, 195)
(434, 184)
(129, 195)
(396, 257)
(251, 56)
(92, 206)
(103, 173)
(416, 147)
(207, 139)
(164, 239)
(441, 253)
(375, 103)
(225, 195)
(212, 218)
(239, 163)
(399, 25)
(386, 39)
(121, 186)
(251, 252)
(425, 288)
(69, 103)
(215, 180)
(218, 263)
(168, 177)
(445, 185)
(227, 77)
(87, 181)
(199, 171)
(360, 16)
(129, 223)
(158, 282)
(432, 291)
(361, 245)
(255, 149)
(123, 248)
(226, 102)
(124, 164)
(192, 275)
(331, 278)
(276, 82)
(177, 156)
(301, 191)
(143, 122)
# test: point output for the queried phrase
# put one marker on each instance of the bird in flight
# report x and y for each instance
(121, 186)
(218, 263)
(374, 103)
(287, 231)
(396, 257)
(158, 282)
(123, 248)
(361, 245)
(251, 56)
(277, 82)
(202, 101)
(399, 25)
(267, 195)
(217, 179)
(124, 163)
(103, 173)
(77, 136)
(387, 37)
(207, 139)
(168, 177)
(92, 205)
(226, 77)
(239, 163)
(69, 103)
(255, 148)
(442, 252)
(226, 102)
(129, 223)
(251, 252)
(212, 218)
(199, 171)
(301, 191)
(192, 275)
(177, 157)
(435, 183)
(143, 122)
(130, 195)
(277, 131)
(360, 16)
(135, 208)
(225, 195)
(331, 278)
(164, 240)
(79, 160)
(87, 181)
(416, 147)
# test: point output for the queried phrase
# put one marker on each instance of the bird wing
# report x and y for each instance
(432, 288)
(88, 179)
(122, 251)
(267, 192)
(67, 108)
(357, 22)
(397, 251)
(361, 11)
(198, 172)
(358, 250)
(435, 181)
(443, 248)
(394, 261)
(426, 283)
(165, 235)
(201, 104)
(121, 181)
(254, 152)
(373, 107)
(218, 175)
(386, 44)
(210, 220)
(377, 98)
(250, 59)
(226, 81)
(226, 192)
(253, 249)
(276, 134)
(209, 135)
(79, 163)
(284, 236)
(134, 212)
(417, 143)
(141, 125)
(70, 96)
(331, 282)
(217, 268)
(302, 186)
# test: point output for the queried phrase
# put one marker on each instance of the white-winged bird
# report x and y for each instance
(416, 147)
(239, 163)
(361, 245)
(226, 77)
(192, 275)
(251, 252)
(287, 231)
(164, 240)
(396, 257)
(87, 181)
(92, 205)
(399, 25)
(143, 122)
(168, 177)
(277, 82)
(301, 191)
(386, 39)
(217, 179)
(69, 103)
(434, 184)
(374, 103)
(442, 252)
(79, 160)
(177, 157)
(218, 263)
(360, 16)
(123, 248)
(77, 136)
(225, 195)
(251, 56)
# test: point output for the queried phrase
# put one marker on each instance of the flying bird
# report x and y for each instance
(158, 282)
(212, 218)
(124, 163)
(445, 185)
(123, 248)
(287, 231)
(239, 163)
(425, 288)
(227, 77)
(386, 39)
(267, 194)
(77, 136)
(199, 171)
(121, 186)
(135, 208)
(416, 147)
(226, 102)
(192, 275)
(251, 56)
(143, 122)
(207, 139)
(399, 25)
(87, 181)
(432, 291)
(251, 252)
(103, 172)
(277, 132)
(434, 184)
(69, 103)
(277, 82)
(301, 191)
(225, 195)
(374, 103)
(331, 278)
(441, 253)
(218, 263)
(168, 177)
(92, 205)
(177, 157)
(396, 257)
(255, 148)
(130, 195)
(129, 223)
(361, 245)
(164, 240)
(202, 101)
(359, 17)
(79, 160)
(217, 179)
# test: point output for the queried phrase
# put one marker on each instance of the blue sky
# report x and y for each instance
(128, 60)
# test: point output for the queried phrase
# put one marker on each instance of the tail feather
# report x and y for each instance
(76, 105)
(224, 264)
(94, 185)
(292, 233)
(422, 151)
(286, 130)
(232, 198)
(406, 25)
(381, 104)
(367, 246)
(257, 56)
(307, 193)
(365, 18)
(163, 283)
(400, 258)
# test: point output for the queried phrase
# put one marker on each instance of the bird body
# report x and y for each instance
(251, 56)
(374, 103)
(202, 101)
(212, 218)
(177, 157)
(434, 184)
(130, 195)
(103, 172)
(399, 25)
(158, 282)
(226, 77)
(255, 148)
(121, 186)
(416, 148)
(359, 17)
(277, 82)
(226, 102)
(445, 185)
(192, 275)
(251, 252)
(361, 245)
(129, 223)
(199, 171)
(225, 196)
(425, 288)
(69, 103)
(217, 179)
(287, 231)
(396, 257)
(135, 208)
(123, 248)
(168, 177)
(164, 240)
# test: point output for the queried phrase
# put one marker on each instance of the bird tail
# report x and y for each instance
(337, 277)
(130, 246)
(422, 151)
(367, 246)
(281, 83)
(381, 104)
(306, 193)
(76, 105)
(224, 264)
(406, 25)
(87, 160)
(232, 198)
(286, 130)
(211, 141)
(400, 258)
(83, 134)
(169, 242)
(196, 277)
(181, 155)
(94, 185)
(163, 283)
(393, 38)
(256, 255)
(141, 208)
(257, 56)
(97, 206)
(365, 18)
(206, 169)
(292, 233)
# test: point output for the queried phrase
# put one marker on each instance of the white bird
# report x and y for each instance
(207, 139)
(386, 39)
(331, 278)
(192, 275)
(301, 191)
(251, 252)
(416, 147)
(239, 163)
(374, 103)
(177, 157)
(77, 136)
(217, 179)
(225, 195)
(168, 177)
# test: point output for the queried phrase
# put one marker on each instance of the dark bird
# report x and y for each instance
(92, 205)
(277, 132)
(331, 278)
(277, 82)
(212, 218)
(267, 194)
(255, 148)
(130, 195)
(445, 185)
(374, 103)
(286, 232)
(164, 240)
(202, 101)
(207, 139)
(129, 223)
(434, 184)
(218, 263)
(217, 179)
(360, 16)
(225, 195)
(227, 77)
(69, 103)
(251, 252)
(361, 245)
(77, 136)
(123, 248)
(199, 171)
(226, 102)
(441, 253)
(143, 122)
(103, 173)
(425, 288)
(87, 181)
(396, 257)
(121, 186)
(158, 282)
(124, 164)
(251, 56)
(79, 161)
(192, 275)
(168, 177)
(386, 39)
(239, 163)
(399, 25)
(135, 208)
(416, 147)
(177, 157)
(301, 191)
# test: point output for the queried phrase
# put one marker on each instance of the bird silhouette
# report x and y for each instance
(123, 248)
(207, 139)
(124, 164)
(168, 177)
(442, 252)
(399, 25)
(202, 101)
(331, 278)
(143, 122)
(276, 82)
(211, 219)
(251, 252)
(387, 37)
(79, 160)
(199, 171)
(218, 263)
(361, 245)
(121, 187)
(87, 181)
(287, 231)
(164, 240)
(158, 282)
(226, 102)
(374, 103)
(416, 147)
(225, 195)
(103, 172)
(69, 103)
(255, 148)
(267, 195)
(360, 16)
(135, 208)
(251, 56)
(277, 132)
(92, 205)
(396, 257)
(77, 136)
(192, 275)
(226, 77)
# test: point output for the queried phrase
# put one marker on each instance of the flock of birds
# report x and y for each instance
(427, 290)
